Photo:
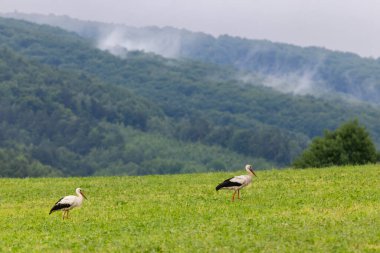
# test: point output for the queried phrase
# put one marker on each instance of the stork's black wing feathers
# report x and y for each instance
(58, 206)
(227, 183)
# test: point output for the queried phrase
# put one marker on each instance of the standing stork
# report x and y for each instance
(68, 202)
(237, 182)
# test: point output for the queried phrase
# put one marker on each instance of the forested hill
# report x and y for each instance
(61, 123)
(292, 69)
(68, 108)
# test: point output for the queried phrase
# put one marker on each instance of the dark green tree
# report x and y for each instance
(349, 144)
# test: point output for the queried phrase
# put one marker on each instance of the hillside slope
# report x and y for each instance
(180, 100)
(64, 123)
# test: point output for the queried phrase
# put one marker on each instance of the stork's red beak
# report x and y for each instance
(83, 195)
(253, 172)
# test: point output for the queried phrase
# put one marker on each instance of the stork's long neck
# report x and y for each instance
(79, 194)
(79, 199)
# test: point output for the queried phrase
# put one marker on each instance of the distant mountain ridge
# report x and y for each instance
(287, 68)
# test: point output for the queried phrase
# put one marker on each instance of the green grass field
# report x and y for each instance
(314, 210)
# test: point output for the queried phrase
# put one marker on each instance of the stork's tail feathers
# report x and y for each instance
(219, 187)
(227, 183)
(59, 206)
(53, 209)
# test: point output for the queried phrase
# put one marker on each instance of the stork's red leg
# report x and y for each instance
(233, 196)
(238, 194)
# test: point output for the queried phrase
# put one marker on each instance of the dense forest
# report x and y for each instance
(56, 122)
(68, 108)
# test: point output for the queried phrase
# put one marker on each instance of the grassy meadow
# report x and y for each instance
(316, 210)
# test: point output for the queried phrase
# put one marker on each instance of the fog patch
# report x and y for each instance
(291, 83)
(120, 40)
(294, 83)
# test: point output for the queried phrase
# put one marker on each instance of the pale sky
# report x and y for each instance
(344, 25)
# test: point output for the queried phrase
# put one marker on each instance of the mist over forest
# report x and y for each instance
(108, 99)
(287, 68)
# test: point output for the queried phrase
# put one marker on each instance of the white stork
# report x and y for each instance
(237, 182)
(68, 202)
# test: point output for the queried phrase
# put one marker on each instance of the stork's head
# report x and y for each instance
(249, 169)
(80, 192)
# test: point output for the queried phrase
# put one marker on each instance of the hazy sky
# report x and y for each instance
(345, 25)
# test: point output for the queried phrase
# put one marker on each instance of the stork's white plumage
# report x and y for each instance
(69, 202)
(237, 182)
